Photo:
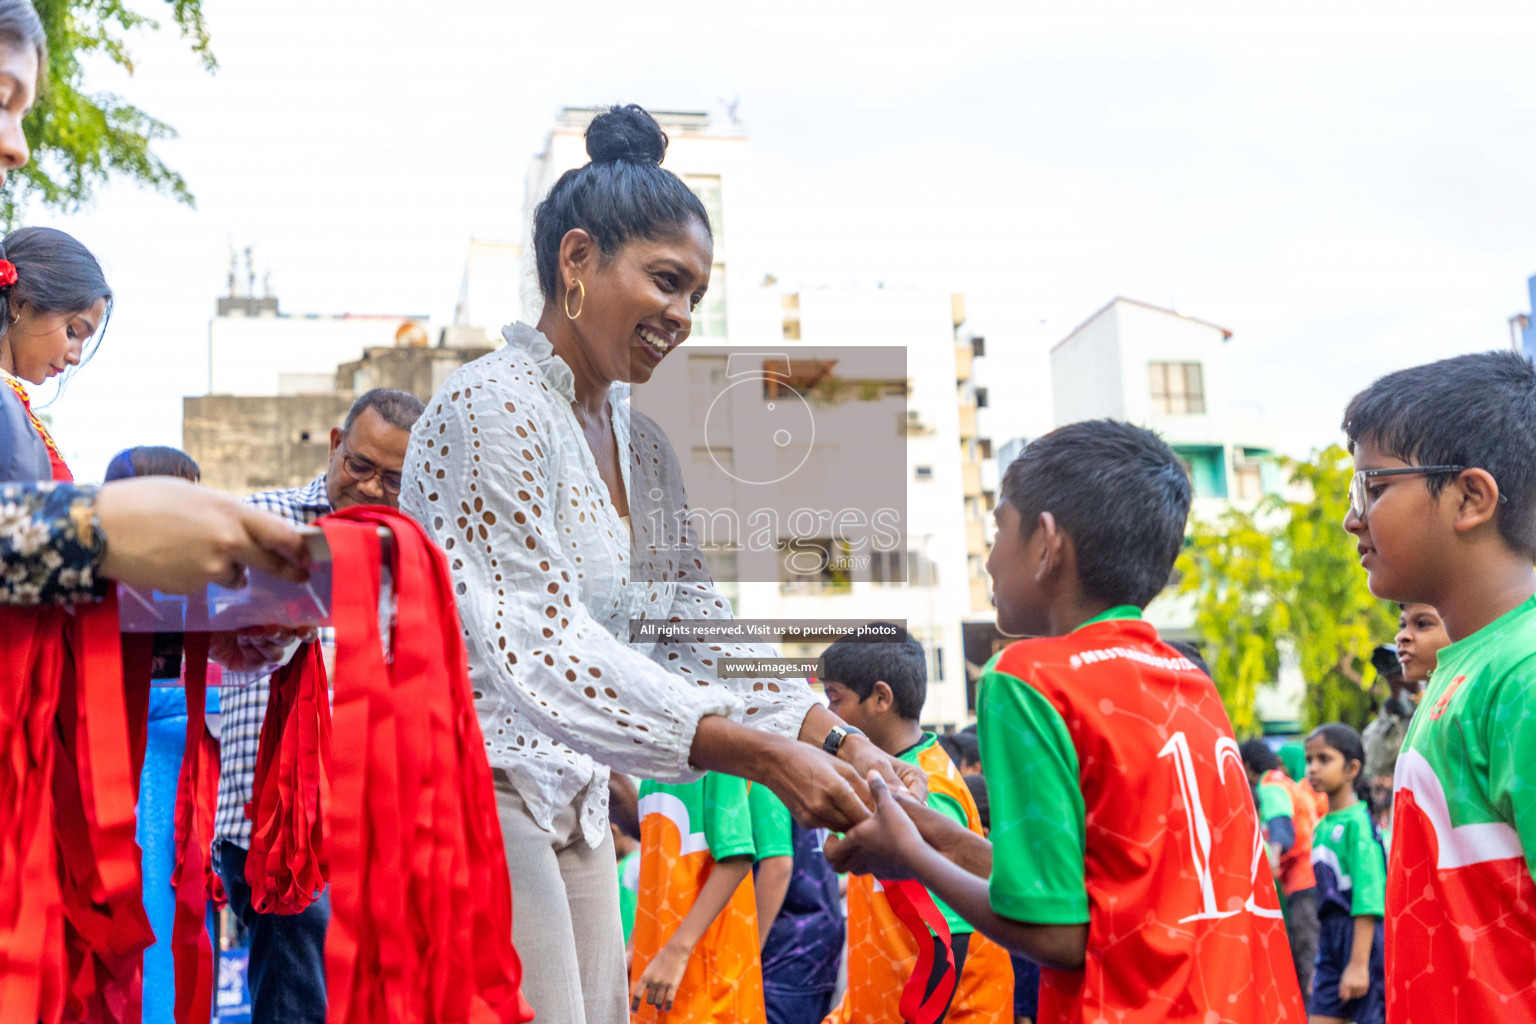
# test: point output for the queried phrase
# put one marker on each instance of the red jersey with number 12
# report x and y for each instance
(1156, 844)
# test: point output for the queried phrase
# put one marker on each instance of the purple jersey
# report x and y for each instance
(806, 942)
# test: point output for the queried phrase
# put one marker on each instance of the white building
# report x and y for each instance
(253, 349)
(950, 476)
(1167, 371)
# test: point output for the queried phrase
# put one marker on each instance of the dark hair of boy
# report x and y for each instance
(1477, 411)
(859, 660)
(1259, 757)
(961, 747)
(1192, 652)
(1121, 495)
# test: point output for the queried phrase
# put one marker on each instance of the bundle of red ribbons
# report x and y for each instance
(421, 926)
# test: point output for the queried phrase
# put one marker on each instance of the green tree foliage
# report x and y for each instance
(1287, 574)
(81, 139)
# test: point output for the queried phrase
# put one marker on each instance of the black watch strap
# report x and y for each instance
(834, 741)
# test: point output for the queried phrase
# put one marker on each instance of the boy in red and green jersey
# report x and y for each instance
(1443, 508)
(1125, 854)
(1119, 800)
(1460, 898)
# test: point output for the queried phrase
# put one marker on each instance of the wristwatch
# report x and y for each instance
(834, 741)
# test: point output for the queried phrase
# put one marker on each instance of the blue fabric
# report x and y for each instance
(287, 965)
(806, 942)
(1336, 941)
(786, 1007)
(1026, 987)
(156, 834)
(1282, 831)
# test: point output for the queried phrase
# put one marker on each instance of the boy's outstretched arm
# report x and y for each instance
(771, 885)
(889, 844)
(658, 984)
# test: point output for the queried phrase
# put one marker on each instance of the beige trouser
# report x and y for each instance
(565, 916)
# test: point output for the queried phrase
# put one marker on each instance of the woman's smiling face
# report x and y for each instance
(639, 302)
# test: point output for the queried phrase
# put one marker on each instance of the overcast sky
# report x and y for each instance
(1348, 193)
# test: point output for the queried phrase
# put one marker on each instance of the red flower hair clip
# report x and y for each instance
(7, 273)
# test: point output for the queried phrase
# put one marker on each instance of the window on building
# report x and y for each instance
(1248, 481)
(707, 188)
(709, 318)
(978, 346)
(1178, 389)
(981, 398)
(924, 472)
(808, 561)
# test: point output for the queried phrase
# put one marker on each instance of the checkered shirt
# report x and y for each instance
(243, 707)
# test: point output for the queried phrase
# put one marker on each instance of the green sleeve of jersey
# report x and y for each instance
(1511, 742)
(771, 823)
(950, 808)
(1039, 831)
(1274, 802)
(1367, 869)
(727, 816)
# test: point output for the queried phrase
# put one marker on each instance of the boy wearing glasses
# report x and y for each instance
(1443, 504)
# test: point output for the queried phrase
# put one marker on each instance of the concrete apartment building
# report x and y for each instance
(278, 383)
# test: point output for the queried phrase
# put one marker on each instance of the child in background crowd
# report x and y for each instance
(878, 684)
(1288, 818)
(1122, 852)
(774, 853)
(802, 938)
(696, 956)
(1420, 635)
(1351, 866)
(1443, 505)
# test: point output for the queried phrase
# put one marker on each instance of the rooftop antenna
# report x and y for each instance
(266, 284)
(733, 105)
(250, 273)
(232, 259)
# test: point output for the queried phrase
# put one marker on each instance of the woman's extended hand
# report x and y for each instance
(177, 537)
(819, 790)
(864, 757)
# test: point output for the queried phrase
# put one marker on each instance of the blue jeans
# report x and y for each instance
(287, 972)
(796, 1007)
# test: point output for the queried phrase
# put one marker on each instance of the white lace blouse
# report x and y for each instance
(499, 473)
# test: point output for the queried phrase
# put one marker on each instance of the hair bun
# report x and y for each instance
(626, 133)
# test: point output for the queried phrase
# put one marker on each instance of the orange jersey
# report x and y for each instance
(683, 831)
(1299, 803)
(881, 951)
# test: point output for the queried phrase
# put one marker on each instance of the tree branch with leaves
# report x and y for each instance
(81, 139)
(1286, 574)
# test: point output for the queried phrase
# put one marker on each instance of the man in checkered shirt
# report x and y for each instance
(287, 961)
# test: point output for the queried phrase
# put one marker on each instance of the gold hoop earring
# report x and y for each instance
(582, 289)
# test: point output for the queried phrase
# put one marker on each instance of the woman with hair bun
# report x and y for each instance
(524, 469)
(53, 300)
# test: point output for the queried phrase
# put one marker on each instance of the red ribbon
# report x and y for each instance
(285, 867)
(72, 922)
(191, 948)
(914, 907)
(421, 898)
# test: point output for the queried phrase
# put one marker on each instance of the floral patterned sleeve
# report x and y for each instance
(50, 544)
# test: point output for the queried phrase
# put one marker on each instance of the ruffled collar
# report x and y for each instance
(535, 346)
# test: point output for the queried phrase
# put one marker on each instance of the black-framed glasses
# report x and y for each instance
(1359, 482)
(361, 471)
